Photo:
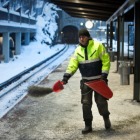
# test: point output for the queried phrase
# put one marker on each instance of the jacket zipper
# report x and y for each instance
(86, 56)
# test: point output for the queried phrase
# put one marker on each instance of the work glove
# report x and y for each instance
(104, 77)
(66, 77)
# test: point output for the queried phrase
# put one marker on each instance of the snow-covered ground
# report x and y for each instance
(31, 55)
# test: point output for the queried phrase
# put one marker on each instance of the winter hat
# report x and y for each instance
(83, 32)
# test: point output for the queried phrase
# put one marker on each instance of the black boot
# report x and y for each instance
(107, 122)
(88, 128)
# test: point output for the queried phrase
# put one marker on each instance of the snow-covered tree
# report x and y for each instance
(46, 24)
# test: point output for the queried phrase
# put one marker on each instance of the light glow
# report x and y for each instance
(89, 24)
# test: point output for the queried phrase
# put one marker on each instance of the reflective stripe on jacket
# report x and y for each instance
(92, 61)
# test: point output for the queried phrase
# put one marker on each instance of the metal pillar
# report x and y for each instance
(111, 35)
(137, 52)
(111, 52)
(118, 40)
(121, 38)
(107, 37)
(18, 43)
(6, 47)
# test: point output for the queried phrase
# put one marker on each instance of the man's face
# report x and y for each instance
(83, 40)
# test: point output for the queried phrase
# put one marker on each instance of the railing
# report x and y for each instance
(13, 16)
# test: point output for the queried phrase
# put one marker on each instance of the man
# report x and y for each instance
(91, 58)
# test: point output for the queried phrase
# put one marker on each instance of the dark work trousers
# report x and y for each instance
(86, 100)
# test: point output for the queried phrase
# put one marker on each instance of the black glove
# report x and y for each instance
(66, 78)
(104, 77)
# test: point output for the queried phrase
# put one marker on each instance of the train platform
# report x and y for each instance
(58, 116)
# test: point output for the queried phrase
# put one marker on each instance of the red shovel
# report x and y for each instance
(100, 87)
(58, 86)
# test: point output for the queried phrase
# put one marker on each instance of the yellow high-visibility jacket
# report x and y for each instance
(92, 61)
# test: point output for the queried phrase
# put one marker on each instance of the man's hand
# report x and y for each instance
(104, 77)
(64, 81)
(66, 78)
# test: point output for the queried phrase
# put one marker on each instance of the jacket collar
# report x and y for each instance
(90, 42)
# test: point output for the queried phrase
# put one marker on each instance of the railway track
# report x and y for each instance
(15, 89)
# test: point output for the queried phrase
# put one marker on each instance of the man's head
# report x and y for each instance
(84, 37)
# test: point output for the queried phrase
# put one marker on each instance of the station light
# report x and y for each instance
(89, 24)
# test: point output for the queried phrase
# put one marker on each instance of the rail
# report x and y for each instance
(15, 89)
(18, 76)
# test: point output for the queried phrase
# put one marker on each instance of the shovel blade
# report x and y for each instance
(100, 87)
(58, 86)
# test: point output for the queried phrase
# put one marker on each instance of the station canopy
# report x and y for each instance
(90, 9)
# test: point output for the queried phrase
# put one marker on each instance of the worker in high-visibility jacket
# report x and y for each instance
(93, 62)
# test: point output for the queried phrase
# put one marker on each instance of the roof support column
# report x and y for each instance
(137, 52)
(111, 35)
(107, 37)
(118, 39)
(6, 47)
(18, 43)
(27, 38)
(121, 38)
